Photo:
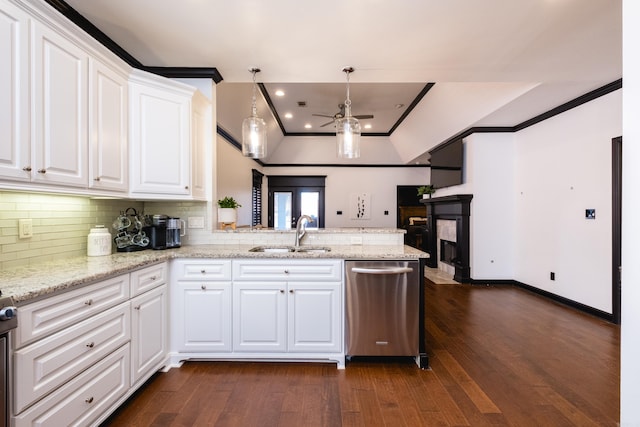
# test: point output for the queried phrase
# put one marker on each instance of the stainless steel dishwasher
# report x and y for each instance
(384, 308)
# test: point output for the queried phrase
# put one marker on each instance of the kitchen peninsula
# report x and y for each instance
(120, 318)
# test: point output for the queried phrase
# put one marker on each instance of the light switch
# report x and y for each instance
(195, 222)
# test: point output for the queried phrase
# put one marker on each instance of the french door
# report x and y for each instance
(290, 197)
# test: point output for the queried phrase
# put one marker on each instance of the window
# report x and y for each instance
(256, 198)
(293, 196)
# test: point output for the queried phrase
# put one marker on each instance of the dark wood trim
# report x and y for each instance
(339, 165)
(93, 31)
(565, 301)
(616, 216)
(187, 72)
(411, 106)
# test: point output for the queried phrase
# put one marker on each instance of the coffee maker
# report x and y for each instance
(165, 232)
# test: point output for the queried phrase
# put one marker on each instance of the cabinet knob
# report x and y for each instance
(203, 271)
(27, 168)
(203, 287)
(89, 399)
(282, 291)
(42, 171)
(90, 345)
(153, 278)
(186, 187)
(286, 272)
(96, 179)
(137, 307)
(290, 291)
(88, 302)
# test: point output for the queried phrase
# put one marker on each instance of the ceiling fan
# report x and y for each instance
(340, 114)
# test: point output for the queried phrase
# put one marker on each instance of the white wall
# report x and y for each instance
(342, 182)
(630, 346)
(563, 166)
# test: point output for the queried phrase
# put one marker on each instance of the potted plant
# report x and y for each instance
(227, 211)
(426, 191)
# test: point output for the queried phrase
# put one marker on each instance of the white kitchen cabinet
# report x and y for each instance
(201, 306)
(14, 87)
(260, 317)
(160, 136)
(82, 400)
(201, 144)
(108, 127)
(49, 363)
(148, 333)
(287, 306)
(59, 110)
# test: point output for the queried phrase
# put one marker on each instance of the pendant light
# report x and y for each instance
(348, 128)
(254, 129)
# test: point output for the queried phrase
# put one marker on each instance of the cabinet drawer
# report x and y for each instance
(42, 367)
(83, 399)
(198, 269)
(148, 278)
(45, 317)
(316, 270)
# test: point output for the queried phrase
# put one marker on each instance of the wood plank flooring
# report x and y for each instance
(499, 356)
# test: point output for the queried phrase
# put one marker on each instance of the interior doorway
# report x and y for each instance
(290, 197)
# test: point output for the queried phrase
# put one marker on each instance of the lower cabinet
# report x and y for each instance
(287, 317)
(81, 353)
(257, 309)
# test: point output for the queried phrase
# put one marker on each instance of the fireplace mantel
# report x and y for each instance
(457, 208)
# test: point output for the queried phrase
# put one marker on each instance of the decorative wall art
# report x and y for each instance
(360, 206)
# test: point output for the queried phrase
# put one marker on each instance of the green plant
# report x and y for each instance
(426, 189)
(229, 202)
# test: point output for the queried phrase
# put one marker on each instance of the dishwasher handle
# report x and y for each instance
(387, 270)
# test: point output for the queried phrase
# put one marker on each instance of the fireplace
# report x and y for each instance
(448, 252)
(448, 238)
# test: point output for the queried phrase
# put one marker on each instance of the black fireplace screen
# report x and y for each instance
(448, 252)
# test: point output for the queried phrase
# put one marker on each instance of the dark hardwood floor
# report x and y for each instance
(499, 355)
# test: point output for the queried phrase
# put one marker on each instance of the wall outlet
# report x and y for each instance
(195, 222)
(25, 228)
(356, 240)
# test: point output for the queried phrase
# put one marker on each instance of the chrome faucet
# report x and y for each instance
(301, 228)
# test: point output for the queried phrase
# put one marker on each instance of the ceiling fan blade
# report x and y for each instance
(326, 124)
(364, 116)
(322, 115)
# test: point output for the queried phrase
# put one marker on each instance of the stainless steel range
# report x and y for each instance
(8, 321)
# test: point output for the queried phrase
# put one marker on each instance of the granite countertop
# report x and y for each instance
(26, 284)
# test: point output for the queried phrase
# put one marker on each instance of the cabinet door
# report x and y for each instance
(108, 118)
(160, 141)
(259, 317)
(201, 140)
(14, 87)
(314, 317)
(148, 332)
(202, 320)
(60, 109)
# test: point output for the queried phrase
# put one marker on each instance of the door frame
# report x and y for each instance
(616, 215)
(296, 184)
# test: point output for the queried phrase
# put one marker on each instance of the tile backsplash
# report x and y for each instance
(60, 225)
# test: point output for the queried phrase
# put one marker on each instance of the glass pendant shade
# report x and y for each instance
(348, 134)
(254, 137)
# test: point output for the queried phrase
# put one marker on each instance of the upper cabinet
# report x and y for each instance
(14, 87)
(59, 119)
(108, 128)
(169, 126)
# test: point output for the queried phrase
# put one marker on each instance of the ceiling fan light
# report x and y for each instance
(254, 129)
(348, 135)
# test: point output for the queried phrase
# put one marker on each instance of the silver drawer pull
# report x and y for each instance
(286, 272)
(89, 399)
(27, 168)
(97, 179)
(90, 345)
(153, 277)
(88, 302)
(282, 291)
(203, 271)
(203, 287)
(290, 291)
(43, 171)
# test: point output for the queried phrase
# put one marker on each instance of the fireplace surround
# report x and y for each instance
(458, 209)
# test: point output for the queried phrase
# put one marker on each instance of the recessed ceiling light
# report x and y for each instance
(398, 106)
(279, 92)
(288, 115)
(367, 126)
(307, 126)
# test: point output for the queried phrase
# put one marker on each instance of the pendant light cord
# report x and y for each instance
(254, 110)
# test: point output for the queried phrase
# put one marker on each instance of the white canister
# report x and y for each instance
(99, 241)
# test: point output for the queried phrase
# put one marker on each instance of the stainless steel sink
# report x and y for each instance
(273, 249)
(285, 249)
